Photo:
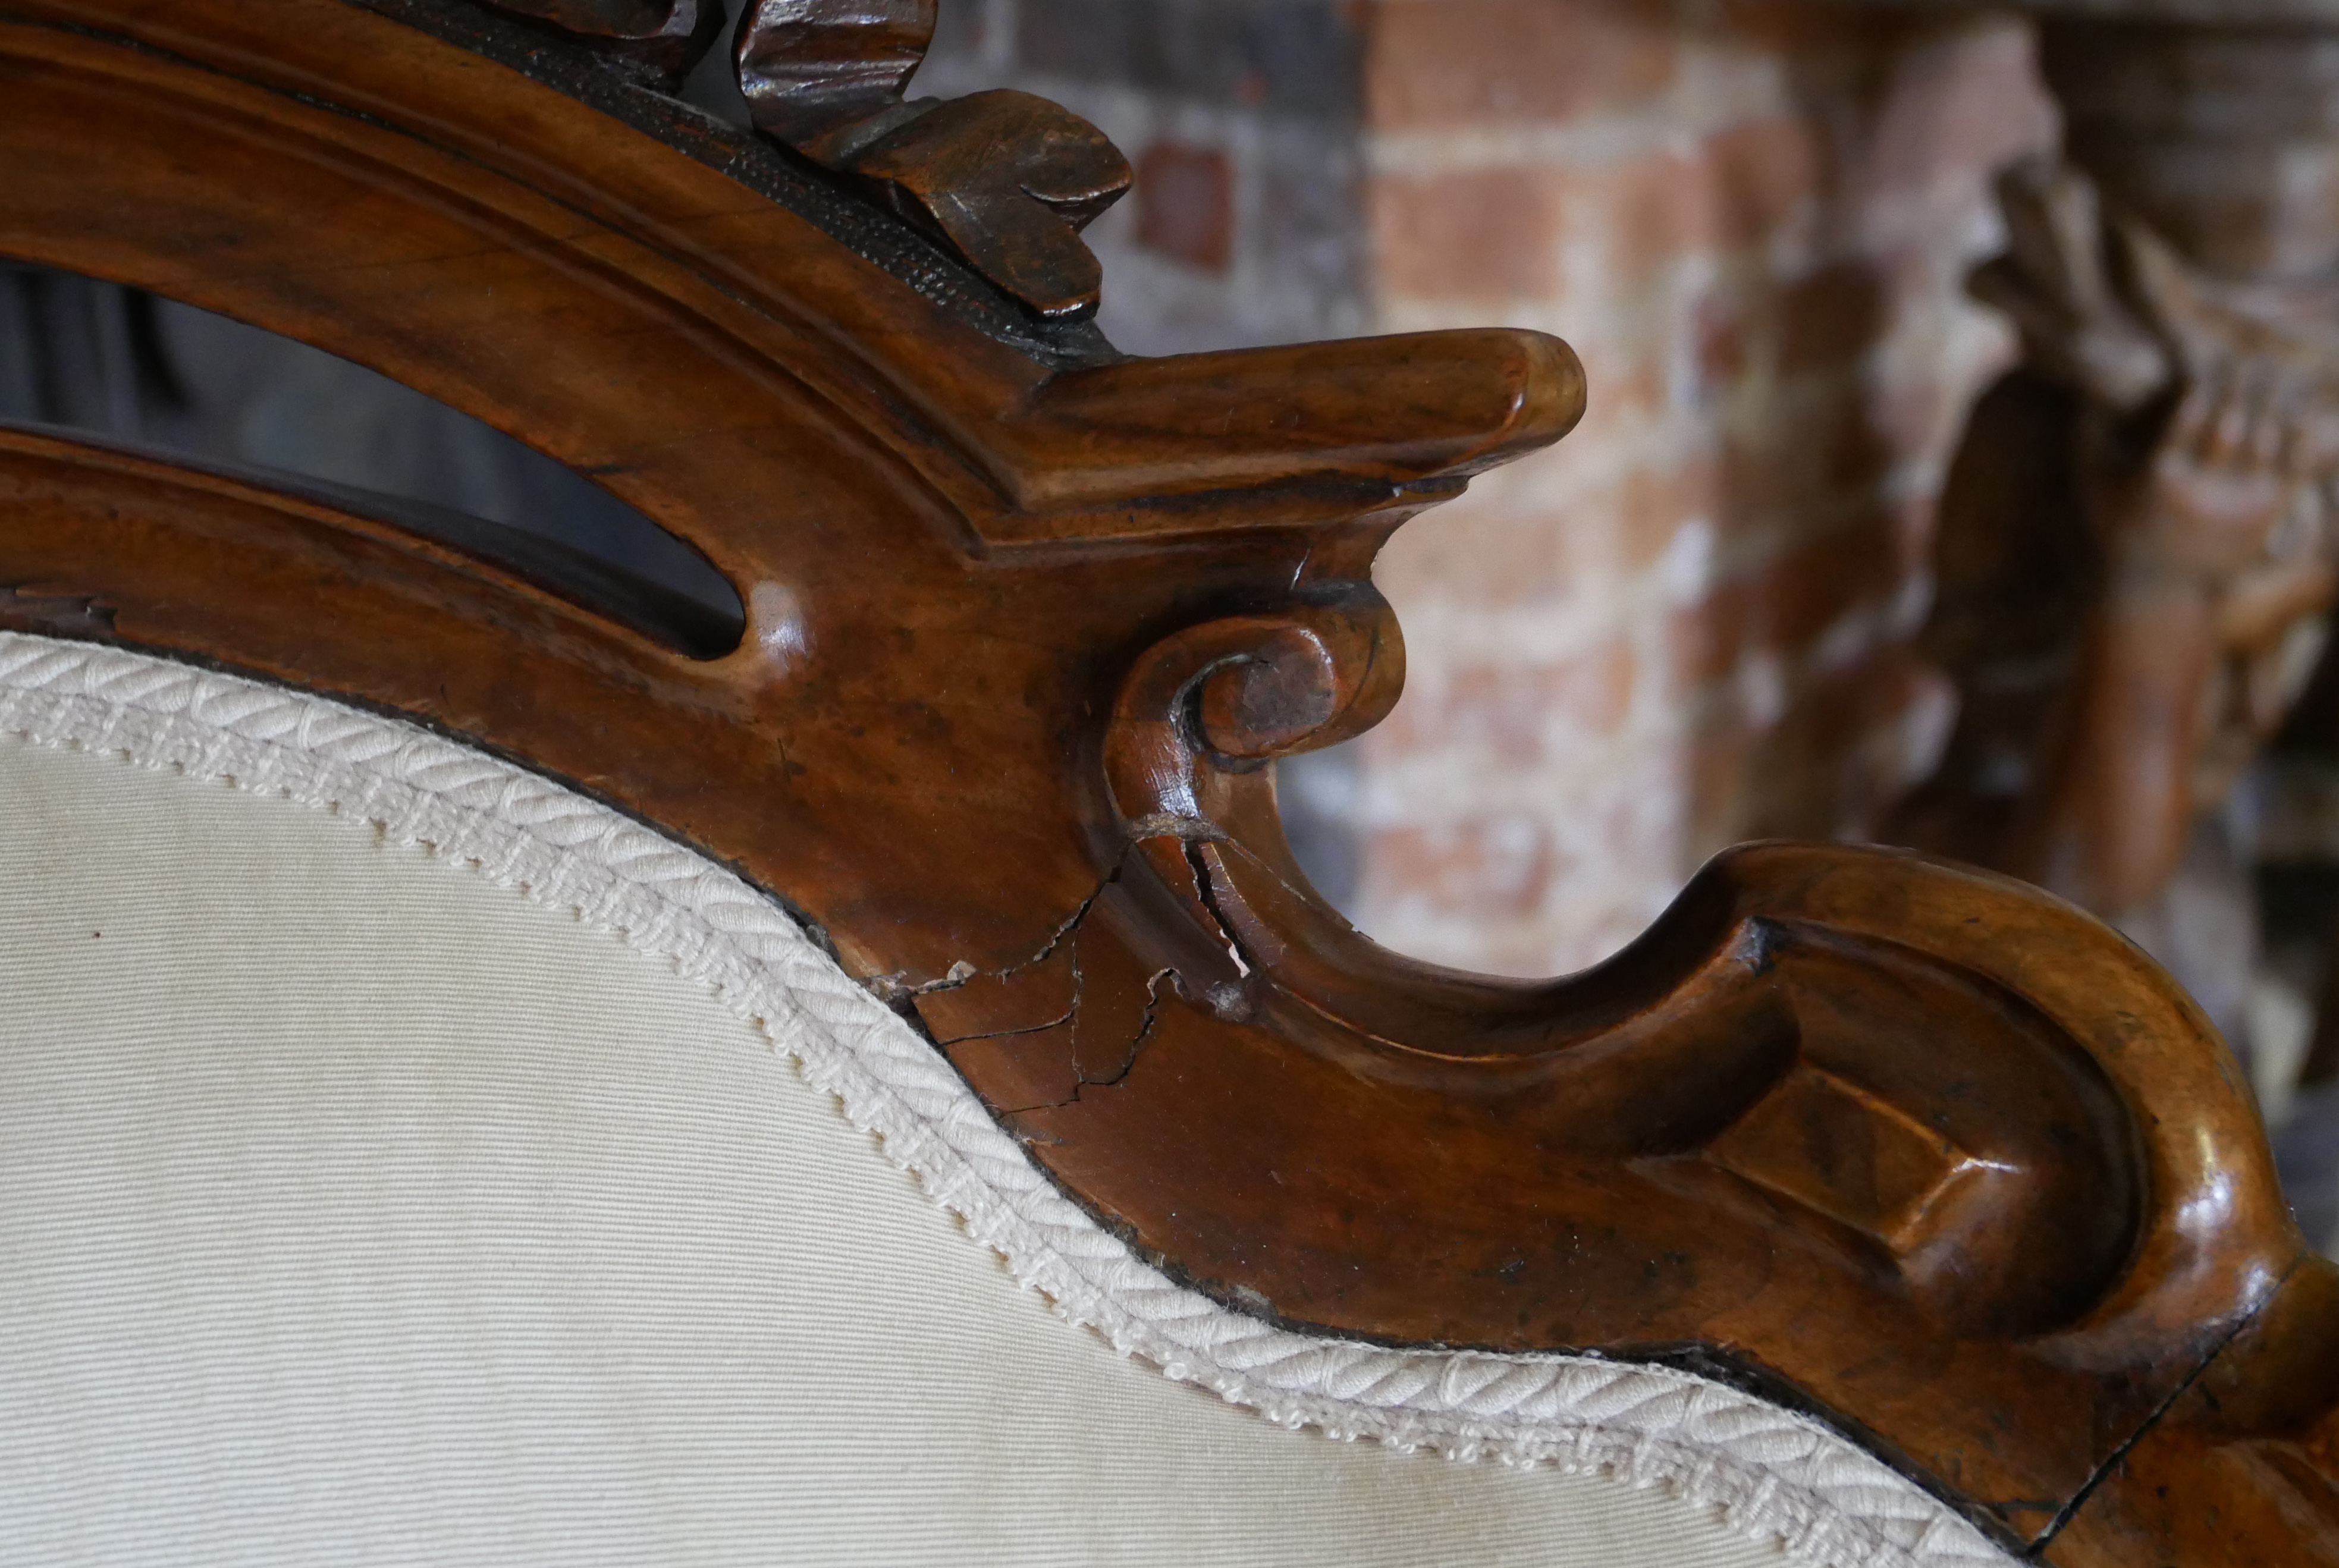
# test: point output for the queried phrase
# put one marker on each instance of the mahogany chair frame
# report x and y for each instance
(1909, 1146)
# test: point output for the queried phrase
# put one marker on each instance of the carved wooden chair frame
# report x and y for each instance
(1911, 1148)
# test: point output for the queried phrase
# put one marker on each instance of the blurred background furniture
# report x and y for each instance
(2134, 560)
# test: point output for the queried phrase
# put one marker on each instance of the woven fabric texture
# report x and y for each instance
(415, 1179)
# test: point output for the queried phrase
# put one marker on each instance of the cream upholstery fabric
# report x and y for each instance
(364, 1204)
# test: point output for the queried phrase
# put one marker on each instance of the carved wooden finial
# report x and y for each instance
(1006, 180)
(812, 66)
(657, 40)
(1009, 181)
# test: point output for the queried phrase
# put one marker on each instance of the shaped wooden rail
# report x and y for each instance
(1920, 1149)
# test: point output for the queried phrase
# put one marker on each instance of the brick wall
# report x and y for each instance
(1243, 120)
(1687, 624)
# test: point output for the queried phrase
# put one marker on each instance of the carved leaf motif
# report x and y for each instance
(1009, 181)
(1006, 178)
(812, 66)
(659, 40)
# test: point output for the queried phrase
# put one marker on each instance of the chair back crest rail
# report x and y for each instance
(1912, 1147)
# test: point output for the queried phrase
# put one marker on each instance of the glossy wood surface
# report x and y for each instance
(1914, 1147)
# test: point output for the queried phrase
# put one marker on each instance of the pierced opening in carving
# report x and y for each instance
(200, 388)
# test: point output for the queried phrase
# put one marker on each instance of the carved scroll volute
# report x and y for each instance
(657, 40)
(1790, 988)
(1200, 717)
(1006, 180)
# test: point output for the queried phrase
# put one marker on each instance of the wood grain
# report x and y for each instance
(1915, 1147)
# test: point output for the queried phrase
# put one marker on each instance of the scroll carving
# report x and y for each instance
(1885, 1066)
(657, 40)
(1004, 179)
(1774, 1057)
(1924, 1151)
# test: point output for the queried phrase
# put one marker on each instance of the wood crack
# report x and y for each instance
(2151, 1423)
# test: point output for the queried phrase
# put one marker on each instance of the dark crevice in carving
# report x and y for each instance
(900, 994)
(32, 607)
(655, 42)
(1230, 1001)
(1736, 1368)
(1069, 1015)
(126, 371)
(1082, 1081)
(2118, 1456)
(771, 169)
(698, 625)
(1144, 1033)
(897, 986)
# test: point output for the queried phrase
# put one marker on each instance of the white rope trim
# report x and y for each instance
(1772, 1473)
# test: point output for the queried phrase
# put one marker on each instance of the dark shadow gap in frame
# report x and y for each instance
(128, 369)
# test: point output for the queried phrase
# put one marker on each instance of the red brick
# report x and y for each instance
(1958, 105)
(1480, 235)
(1627, 384)
(1831, 317)
(1650, 506)
(1719, 762)
(1785, 608)
(1186, 204)
(1511, 546)
(1442, 64)
(1761, 174)
(1805, 591)
(1508, 233)
(1487, 868)
(1799, 28)
(1822, 455)
(1705, 641)
(1875, 147)
(1726, 342)
(1776, 469)
(1473, 554)
(1521, 714)
(1639, 213)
